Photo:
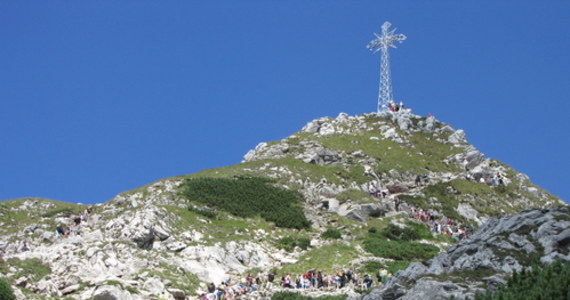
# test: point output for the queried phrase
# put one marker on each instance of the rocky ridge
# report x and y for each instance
(144, 243)
(485, 260)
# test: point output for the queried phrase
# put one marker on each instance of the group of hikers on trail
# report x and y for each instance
(311, 279)
(76, 221)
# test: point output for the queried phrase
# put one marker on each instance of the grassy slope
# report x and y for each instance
(45, 210)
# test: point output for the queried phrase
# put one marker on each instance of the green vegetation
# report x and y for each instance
(15, 216)
(356, 196)
(32, 268)
(296, 296)
(289, 243)
(399, 245)
(396, 233)
(221, 229)
(328, 258)
(426, 153)
(6, 292)
(180, 278)
(331, 234)
(448, 201)
(204, 212)
(247, 197)
(400, 250)
(465, 275)
(371, 267)
(550, 282)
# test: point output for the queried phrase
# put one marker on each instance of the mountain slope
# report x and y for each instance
(157, 240)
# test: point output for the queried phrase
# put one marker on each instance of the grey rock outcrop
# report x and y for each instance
(500, 246)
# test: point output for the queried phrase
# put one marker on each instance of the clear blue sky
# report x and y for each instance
(101, 97)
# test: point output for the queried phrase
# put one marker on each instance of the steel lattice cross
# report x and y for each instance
(382, 43)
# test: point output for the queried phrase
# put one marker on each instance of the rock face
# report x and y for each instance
(498, 248)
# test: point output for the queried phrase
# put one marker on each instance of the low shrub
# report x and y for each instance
(289, 243)
(6, 292)
(396, 233)
(331, 234)
(248, 197)
(204, 212)
(549, 282)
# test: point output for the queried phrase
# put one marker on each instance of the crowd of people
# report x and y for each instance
(312, 279)
(395, 107)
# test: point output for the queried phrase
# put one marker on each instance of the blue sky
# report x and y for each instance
(101, 97)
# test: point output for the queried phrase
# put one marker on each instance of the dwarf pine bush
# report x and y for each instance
(248, 197)
(6, 292)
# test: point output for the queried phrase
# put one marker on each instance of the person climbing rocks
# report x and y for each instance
(397, 203)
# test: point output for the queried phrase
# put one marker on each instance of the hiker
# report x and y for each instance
(385, 192)
(211, 288)
(248, 280)
(25, 247)
(418, 181)
(61, 231)
(367, 282)
(374, 192)
(425, 178)
(270, 278)
(320, 282)
(77, 220)
(397, 203)
(383, 275)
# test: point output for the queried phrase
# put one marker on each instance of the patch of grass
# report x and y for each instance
(421, 230)
(356, 196)
(32, 268)
(465, 275)
(426, 153)
(395, 233)
(223, 229)
(355, 173)
(180, 278)
(328, 258)
(449, 201)
(210, 214)
(289, 243)
(15, 217)
(399, 250)
(248, 197)
(371, 267)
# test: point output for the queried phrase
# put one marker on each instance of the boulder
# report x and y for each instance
(457, 137)
(160, 233)
(177, 294)
(71, 289)
(153, 285)
(109, 292)
(176, 246)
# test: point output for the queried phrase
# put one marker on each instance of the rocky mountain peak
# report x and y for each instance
(354, 177)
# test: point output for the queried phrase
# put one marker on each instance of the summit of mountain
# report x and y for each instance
(329, 197)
